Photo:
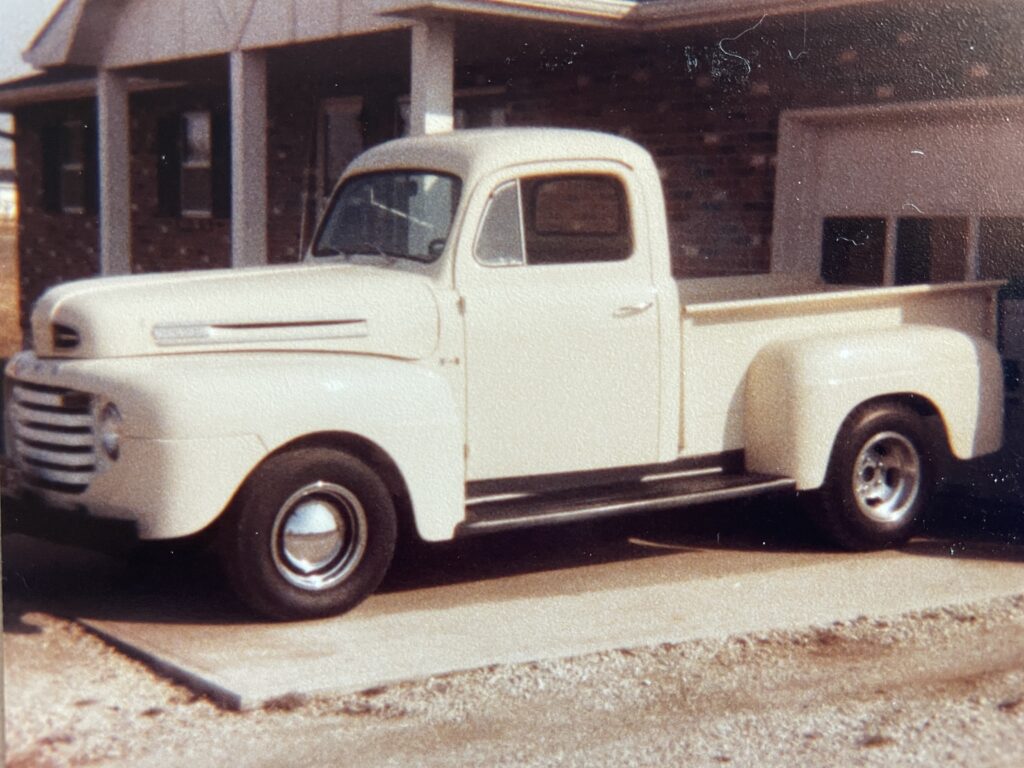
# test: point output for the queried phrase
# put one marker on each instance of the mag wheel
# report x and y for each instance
(879, 479)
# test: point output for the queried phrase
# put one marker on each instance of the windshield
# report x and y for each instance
(400, 214)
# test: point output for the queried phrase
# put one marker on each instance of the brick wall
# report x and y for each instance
(52, 247)
(714, 150)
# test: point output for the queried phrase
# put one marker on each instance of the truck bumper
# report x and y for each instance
(163, 489)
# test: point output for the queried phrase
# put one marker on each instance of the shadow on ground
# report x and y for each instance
(180, 582)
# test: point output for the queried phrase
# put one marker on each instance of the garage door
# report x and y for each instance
(911, 193)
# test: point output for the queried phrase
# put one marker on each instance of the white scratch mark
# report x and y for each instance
(917, 152)
(850, 240)
(732, 54)
(803, 48)
(914, 207)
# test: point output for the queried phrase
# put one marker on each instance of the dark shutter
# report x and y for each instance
(168, 165)
(221, 165)
(91, 170)
(49, 136)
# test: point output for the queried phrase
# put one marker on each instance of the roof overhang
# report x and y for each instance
(673, 14)
(627, 15)
(52, 44)
(590, 13)
(46, 87)
(80, 31)
(42, 87)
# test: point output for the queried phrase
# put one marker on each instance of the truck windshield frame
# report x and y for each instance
(396, 213)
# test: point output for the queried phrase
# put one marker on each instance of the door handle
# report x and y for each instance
(633, 309)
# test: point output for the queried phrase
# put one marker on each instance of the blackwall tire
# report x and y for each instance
(880, 478)
(311, 533)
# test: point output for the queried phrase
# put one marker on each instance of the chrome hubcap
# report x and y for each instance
(319, 536)
(886, 477)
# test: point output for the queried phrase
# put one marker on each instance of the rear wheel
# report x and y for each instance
(880, 478)
(312, 533)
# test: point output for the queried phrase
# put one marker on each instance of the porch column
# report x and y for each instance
(248, 158)
(114, 171)
(433, 78)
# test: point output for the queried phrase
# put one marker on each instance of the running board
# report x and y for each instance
(501, 513)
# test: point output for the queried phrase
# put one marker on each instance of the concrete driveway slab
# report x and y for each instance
(397, 637)
(522, 598)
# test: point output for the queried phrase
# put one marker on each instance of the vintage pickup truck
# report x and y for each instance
(486, 335)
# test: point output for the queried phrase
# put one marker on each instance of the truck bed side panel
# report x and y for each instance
(721, 339)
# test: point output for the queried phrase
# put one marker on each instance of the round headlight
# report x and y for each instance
(110, 430)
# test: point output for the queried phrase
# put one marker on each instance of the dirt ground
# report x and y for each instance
(943, 687)
(10, 332)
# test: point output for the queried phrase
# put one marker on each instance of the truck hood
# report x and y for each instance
(329, 308)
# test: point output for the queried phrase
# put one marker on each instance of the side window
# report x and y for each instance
(72, 167)
(556, 220)
(853, 251)
(500, 239)
(69, 167)
(578, 218)
(194, 165)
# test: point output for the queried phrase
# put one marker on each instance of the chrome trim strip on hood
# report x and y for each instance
(169, 335)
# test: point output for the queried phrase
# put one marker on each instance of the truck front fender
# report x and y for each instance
(407, 411)
(800, 391)
(265, 401)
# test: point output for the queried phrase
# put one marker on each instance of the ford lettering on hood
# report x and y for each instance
(345, 308)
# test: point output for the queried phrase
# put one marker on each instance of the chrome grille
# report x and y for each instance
(52, 430)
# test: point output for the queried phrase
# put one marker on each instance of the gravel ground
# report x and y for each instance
(934, 688)
(10, 333)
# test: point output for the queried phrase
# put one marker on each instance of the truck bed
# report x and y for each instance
(726, 321)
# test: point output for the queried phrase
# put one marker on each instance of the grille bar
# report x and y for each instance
(45, 417)
(52, 396)
(54, 440)
(64, 477)
(35, 397)
(56, 458)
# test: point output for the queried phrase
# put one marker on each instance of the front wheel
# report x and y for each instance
(312, 533)
(880, 478)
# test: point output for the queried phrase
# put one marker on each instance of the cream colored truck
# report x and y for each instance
(486, 335)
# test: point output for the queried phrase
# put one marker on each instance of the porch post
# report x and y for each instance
(248, 158)
(114, 172)
(433, 77)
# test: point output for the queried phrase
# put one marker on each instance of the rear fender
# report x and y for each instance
(799, 392)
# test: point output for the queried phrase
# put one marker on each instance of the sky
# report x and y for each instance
(19, 22)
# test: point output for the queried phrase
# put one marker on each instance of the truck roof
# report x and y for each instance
(471, 154)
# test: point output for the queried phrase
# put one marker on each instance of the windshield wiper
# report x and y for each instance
(400, 214)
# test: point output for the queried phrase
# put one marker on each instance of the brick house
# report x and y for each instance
(872, 142)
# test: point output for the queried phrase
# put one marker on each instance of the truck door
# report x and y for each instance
(561, 330)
